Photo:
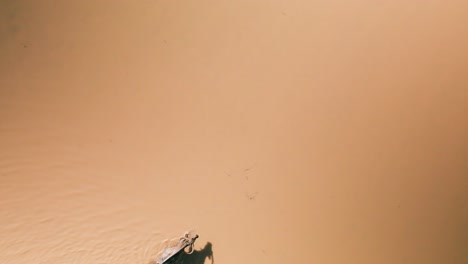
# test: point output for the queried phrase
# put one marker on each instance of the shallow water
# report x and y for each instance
(284, 131)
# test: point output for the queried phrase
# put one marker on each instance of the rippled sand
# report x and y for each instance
(280, 131)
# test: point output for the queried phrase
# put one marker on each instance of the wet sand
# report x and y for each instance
(280, 131)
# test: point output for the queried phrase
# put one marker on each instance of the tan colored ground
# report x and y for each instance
(281, 131)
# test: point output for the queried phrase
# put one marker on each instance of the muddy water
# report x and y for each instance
(280, 131)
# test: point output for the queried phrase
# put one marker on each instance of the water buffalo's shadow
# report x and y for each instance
(198, 256)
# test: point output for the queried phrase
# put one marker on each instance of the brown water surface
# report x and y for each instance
(280, 131)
